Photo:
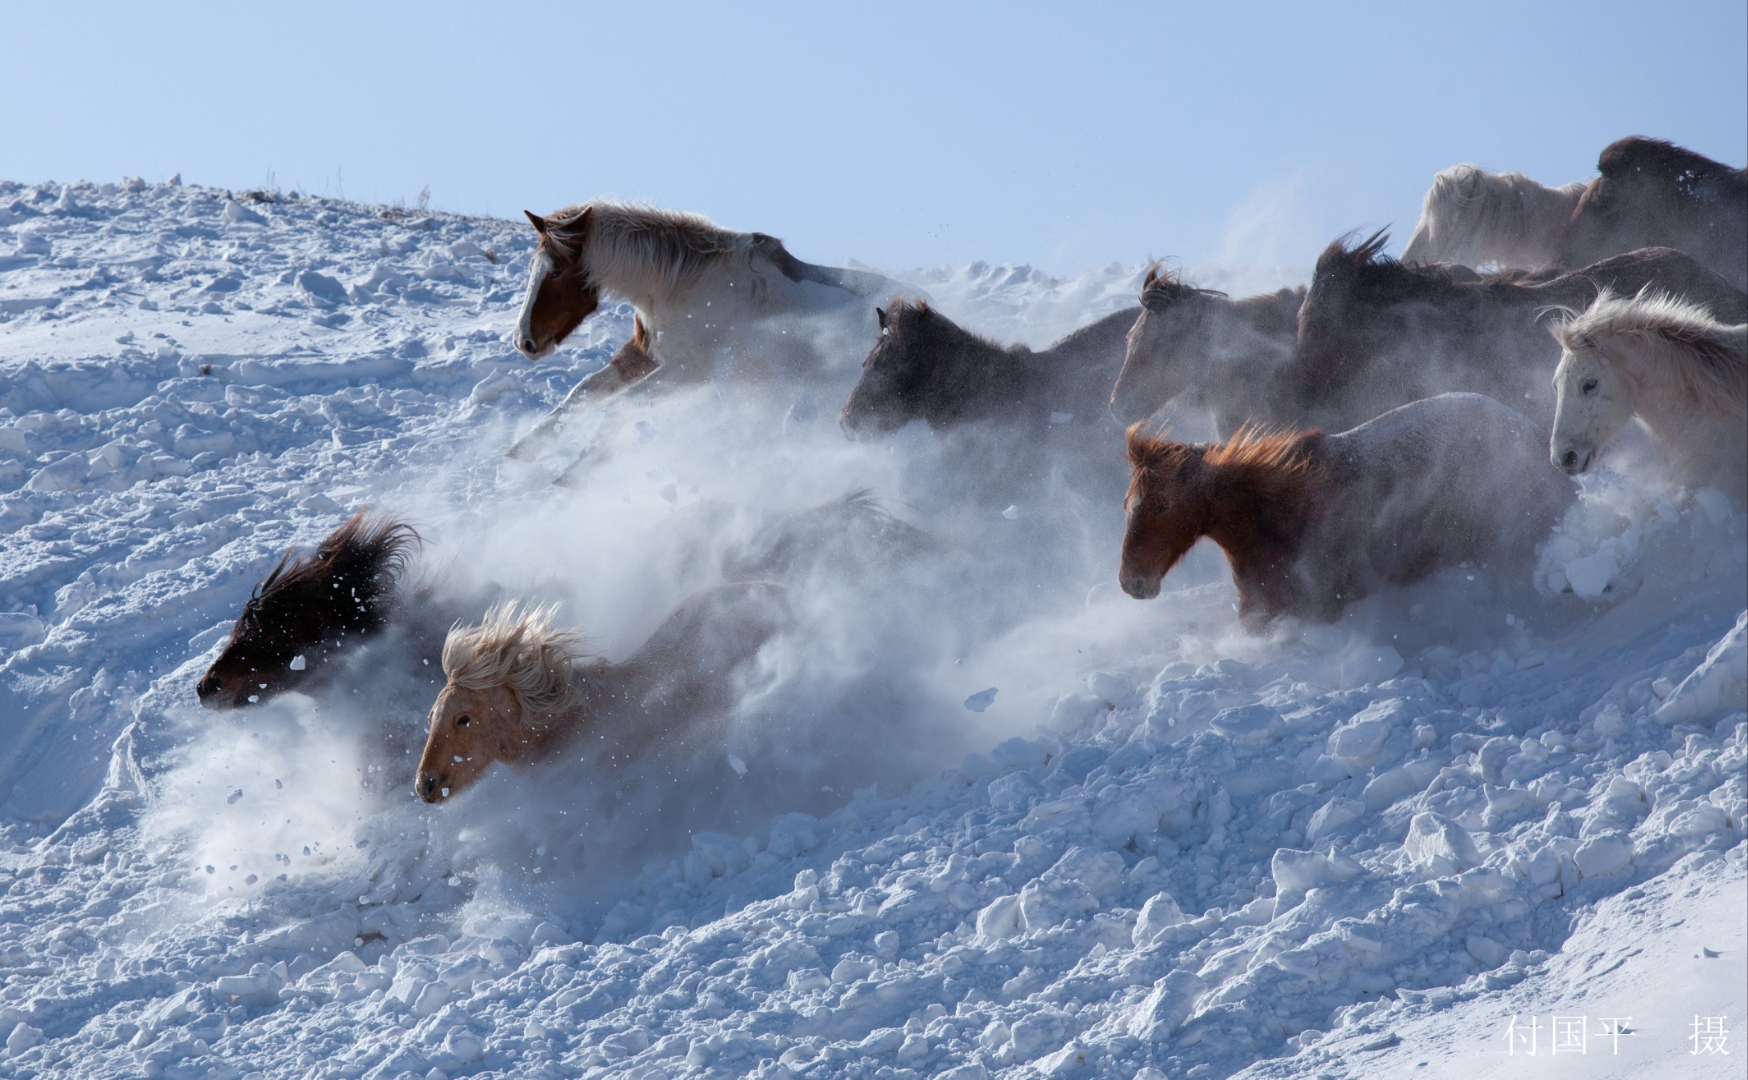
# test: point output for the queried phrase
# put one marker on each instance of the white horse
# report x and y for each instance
(1669, 363)
(703, 295)
(1476, 218)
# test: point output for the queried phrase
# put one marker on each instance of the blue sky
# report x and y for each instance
(1064, 135)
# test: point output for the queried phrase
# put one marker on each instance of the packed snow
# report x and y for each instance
(985, 815)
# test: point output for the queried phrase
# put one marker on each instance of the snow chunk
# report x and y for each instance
(1160, 912)
(1718, 685)
(1438, 845)
(1166, 1007)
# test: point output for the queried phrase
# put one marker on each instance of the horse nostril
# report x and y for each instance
(1569, 458)
(208, 686)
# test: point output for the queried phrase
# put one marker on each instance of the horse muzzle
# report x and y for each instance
(430, 787)
(1140, 586)
(1572, 460)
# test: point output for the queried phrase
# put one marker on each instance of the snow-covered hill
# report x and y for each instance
(1165, 846)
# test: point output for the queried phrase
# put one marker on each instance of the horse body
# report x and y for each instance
(1506, 220)
(1311, 522)
(1375, 333)
(1680, 372)
(519, 689)
(1229, 355)
(925, 367)
(703, 295)
(1654, 194)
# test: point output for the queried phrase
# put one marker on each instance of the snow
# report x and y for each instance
(986, 817)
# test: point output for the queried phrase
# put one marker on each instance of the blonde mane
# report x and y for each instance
(1474, 217)
(1705, 361)
(518, 648)
(642, 250)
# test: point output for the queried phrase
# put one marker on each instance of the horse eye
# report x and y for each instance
(463, 720)
(1589, 386)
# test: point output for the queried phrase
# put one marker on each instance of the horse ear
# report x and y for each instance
(537, 221)
(880, 313)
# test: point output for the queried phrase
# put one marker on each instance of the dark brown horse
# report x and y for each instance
(1229, 356)
(925, 367)
(311, 610)
(1312, 522)
(1655, 194)
(1375, 333)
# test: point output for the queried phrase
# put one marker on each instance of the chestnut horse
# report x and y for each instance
(1229, 355)
(925, 367)
(309, 611)
(1311, 522)
(1682, 373)
(701, 293)
(1655, 194)
(1375, 333)
(521, 689)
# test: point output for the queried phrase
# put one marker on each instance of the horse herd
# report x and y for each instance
(1521, 331)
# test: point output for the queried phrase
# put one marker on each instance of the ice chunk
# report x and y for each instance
(1000, 919)
(1718, 685)
(1074, 711)
(322, 287)
(1099, 871)
(1589, 575)
(1333, 815)
(1605, 854)
(981, 700)
(1252, 724)
(793, 834)
(1166, 1007)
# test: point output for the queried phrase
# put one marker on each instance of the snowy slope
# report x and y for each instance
(1164, 846)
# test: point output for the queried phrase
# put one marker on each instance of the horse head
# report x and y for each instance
(508, 683)
(895, 374)
(305, 608)
(561, 290)
(1165, 511)
(1163, 346)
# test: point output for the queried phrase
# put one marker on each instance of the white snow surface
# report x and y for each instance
(1164, 848)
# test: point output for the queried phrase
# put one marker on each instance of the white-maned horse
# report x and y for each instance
(1476, 218)
(703, 295)
(1667, 362)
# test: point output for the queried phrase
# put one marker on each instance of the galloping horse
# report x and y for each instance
(1313, 522)
(1682, 373)
(1230, 355)
(310, 611)
(1505, 220)
(702, 295)
(1375, 333)
(925, 367)
(1655, 194)
(521, 689)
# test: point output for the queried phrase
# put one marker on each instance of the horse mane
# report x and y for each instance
(1471, 213)
(910, 315)
(1276, 463)
(1391, 280)
(644, 248)
(369, 550)
(1162, 288)
(519, 648)
(1705, 357)
(1637, 153)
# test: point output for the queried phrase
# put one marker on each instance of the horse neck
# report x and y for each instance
(647, 280)
(977, 379)
(1666, 399)
(1257, 514)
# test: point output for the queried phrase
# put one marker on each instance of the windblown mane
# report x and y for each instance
(1472, 216)
(1275, 463)
(368, 553)
(646, 246)
(909, 317)
(1387, 280)
(1706, 357)
(1667, 161)
(1160, 289)
(518, 648)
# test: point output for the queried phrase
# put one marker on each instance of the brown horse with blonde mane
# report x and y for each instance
(521, 689)
(1312, 522)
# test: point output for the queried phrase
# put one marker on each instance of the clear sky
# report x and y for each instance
(1064, 135)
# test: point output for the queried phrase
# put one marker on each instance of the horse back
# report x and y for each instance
(1669, 271)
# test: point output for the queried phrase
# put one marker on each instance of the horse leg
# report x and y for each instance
(628, 367)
